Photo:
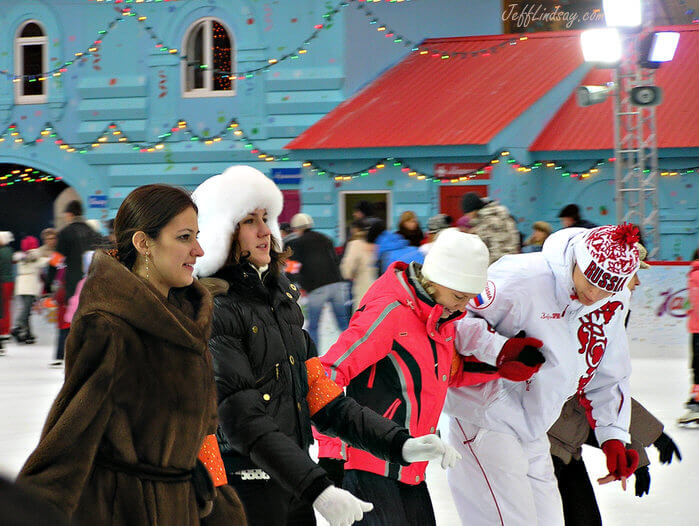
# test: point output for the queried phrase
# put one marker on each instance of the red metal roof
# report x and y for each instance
(428, 101)
(591, 128)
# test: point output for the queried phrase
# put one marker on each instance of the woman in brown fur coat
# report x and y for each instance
(120, 443)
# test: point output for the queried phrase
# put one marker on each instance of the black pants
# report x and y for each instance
(22, 322)
(395, 503)
(266, 503)
(61, 343)
(695, 357)
(579, 502)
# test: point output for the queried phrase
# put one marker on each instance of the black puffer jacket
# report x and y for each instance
(259, 351)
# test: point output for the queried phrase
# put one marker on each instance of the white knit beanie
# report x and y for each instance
(458, 261)
(223, 201)
(608, 256)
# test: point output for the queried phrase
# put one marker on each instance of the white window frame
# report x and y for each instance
(20, 42)
(207, 90)
(342, 208)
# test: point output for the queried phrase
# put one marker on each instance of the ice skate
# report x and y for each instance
(691, 418)
(19, 334)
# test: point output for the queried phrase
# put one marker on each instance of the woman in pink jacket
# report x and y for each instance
(397, 357)
(691, 418)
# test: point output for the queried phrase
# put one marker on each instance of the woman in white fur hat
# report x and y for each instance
(265, 366)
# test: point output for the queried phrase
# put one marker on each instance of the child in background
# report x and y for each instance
(692, 415)
(28, 285)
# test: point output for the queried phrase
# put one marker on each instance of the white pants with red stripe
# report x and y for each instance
(501, 481)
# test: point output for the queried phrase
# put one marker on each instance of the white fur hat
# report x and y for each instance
(457, 261)
(223, 201)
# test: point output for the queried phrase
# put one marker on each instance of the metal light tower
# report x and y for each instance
(636, 143)
(630, 46)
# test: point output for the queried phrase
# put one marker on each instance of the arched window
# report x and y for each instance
(31, 60)
(207, 70)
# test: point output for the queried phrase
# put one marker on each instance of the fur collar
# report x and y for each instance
(112, 288)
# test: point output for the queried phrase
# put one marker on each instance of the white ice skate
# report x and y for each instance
(691, 418)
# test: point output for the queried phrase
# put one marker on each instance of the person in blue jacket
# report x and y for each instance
(391, 247)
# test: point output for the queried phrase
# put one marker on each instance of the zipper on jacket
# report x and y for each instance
(391, 411)
(268, 376)
(372, 376)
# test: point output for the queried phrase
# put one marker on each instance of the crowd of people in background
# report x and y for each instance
(420, 326)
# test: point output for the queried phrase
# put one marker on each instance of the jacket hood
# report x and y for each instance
(223, 201)
(559, 253)
(112, 288)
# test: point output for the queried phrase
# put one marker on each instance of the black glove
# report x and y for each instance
(642, 481)
(335, 468)
(529, 355)
(666, 448)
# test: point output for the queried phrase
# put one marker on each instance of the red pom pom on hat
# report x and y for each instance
(625, 234)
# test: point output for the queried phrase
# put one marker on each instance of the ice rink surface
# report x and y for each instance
(28, 387)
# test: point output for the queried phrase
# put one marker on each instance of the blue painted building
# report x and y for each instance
(108, 96)
(497, 115)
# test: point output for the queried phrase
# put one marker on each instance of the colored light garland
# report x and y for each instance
(111, 134)
(486, 168)
(28, 175)
(128, 12)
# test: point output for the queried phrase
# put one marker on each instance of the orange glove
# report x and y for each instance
(321, 389)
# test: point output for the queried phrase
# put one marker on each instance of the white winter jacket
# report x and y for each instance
(29, 265)
(586, 348)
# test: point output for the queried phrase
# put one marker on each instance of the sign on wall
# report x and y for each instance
(286, 175)
(97, 201)
(455, 170)
(658, 324)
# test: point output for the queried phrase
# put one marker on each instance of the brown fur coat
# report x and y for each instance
(138, 390)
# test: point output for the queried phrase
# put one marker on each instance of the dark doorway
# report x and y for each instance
(26, 200)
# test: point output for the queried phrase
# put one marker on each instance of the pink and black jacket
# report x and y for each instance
(397, 357)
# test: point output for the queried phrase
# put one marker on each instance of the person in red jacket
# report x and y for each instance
(398, 358)
(691, 418)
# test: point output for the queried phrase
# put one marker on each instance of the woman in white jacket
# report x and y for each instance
(572, 296)
(359, 262)
(28, 285)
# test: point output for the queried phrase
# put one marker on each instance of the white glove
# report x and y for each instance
(430, 447)
(340, 507)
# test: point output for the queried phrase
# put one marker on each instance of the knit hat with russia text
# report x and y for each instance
(607, 256)
(457, 261)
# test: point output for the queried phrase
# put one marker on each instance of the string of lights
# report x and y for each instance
(504, 157)
(28, 175)
(129, 12)
(112, 134)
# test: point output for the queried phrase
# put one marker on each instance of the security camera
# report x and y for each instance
(646, 95)
(589, 95)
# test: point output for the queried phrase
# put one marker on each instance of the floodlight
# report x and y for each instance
(601, 45)
(622, 13)
(589, 95)
(658, 47)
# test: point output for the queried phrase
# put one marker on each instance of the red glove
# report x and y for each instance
(520, 358)
(621, 462)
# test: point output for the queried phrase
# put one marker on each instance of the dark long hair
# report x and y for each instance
(147, 209)
(276, 253)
